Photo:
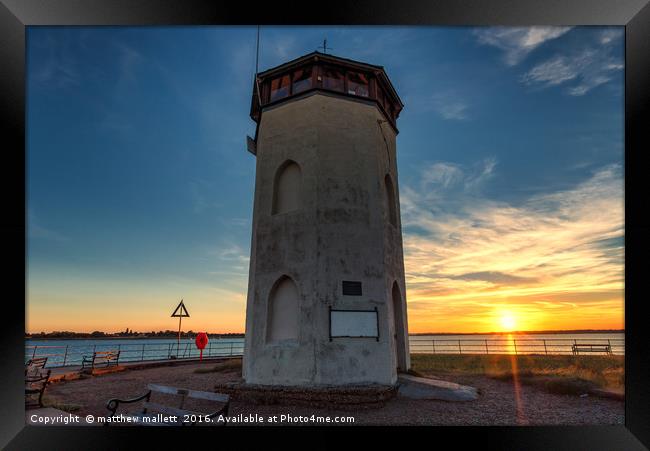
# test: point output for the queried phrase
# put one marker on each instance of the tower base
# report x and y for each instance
(345, 397)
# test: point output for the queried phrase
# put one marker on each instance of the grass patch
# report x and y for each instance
(557, 373)
(227, 365)
(568, 386)
(561, 385)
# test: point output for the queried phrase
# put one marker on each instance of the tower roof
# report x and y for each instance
(319, 71)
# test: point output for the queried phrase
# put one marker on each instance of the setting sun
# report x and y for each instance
(508, 322)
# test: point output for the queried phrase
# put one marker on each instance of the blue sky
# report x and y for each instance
(140, 189)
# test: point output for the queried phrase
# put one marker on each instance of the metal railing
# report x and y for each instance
(72, 354)
(545, 346)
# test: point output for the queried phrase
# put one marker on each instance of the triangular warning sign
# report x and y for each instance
(181, 310)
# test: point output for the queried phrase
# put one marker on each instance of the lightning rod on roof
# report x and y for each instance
(325, 47)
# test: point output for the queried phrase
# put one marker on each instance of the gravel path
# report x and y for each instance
(496, 404)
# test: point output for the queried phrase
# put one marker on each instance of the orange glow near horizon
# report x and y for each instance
(461, 307)
(144, 306)
(449, 315)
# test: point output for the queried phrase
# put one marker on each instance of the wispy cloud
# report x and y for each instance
(447, 104)
(35, 229)
(439, 179)
(230, 252)
(495, 277)
(468, 257)
(276, 48)
(129, 60)
(59, 69)
(610, 34)
(553, 72)
(450, 106)
(590, 67)
(518, 42)
(231, 261)
(236, 222)
(202, 195)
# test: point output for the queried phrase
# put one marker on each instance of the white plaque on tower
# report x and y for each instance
(354, 323)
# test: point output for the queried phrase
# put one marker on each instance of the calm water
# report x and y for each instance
(72, 351)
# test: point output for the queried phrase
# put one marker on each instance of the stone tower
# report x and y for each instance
(326, 294)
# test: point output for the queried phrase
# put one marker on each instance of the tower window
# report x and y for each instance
(283, 310)
(279, 87)
(358, 84)
(333, 79)
(286, 188)
(301, 79)
(351, 288)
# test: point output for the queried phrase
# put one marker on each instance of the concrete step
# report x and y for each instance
(414, 387)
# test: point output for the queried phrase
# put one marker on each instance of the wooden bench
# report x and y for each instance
(105, 358)
(591, 347)
(175, 416)
(34, 366)
(35, 383)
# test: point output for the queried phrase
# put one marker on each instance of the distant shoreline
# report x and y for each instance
(147, 337)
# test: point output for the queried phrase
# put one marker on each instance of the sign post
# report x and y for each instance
(180, 312)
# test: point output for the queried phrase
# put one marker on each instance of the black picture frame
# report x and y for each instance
(15, 15)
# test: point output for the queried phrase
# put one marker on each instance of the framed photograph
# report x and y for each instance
(386, 214)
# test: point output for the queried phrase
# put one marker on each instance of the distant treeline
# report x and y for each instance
(125, 334)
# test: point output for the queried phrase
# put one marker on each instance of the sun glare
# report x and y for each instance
(507, 322)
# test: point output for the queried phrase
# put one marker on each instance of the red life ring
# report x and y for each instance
(201, 341)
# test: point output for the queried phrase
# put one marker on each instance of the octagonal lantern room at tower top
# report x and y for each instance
(320, 71)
